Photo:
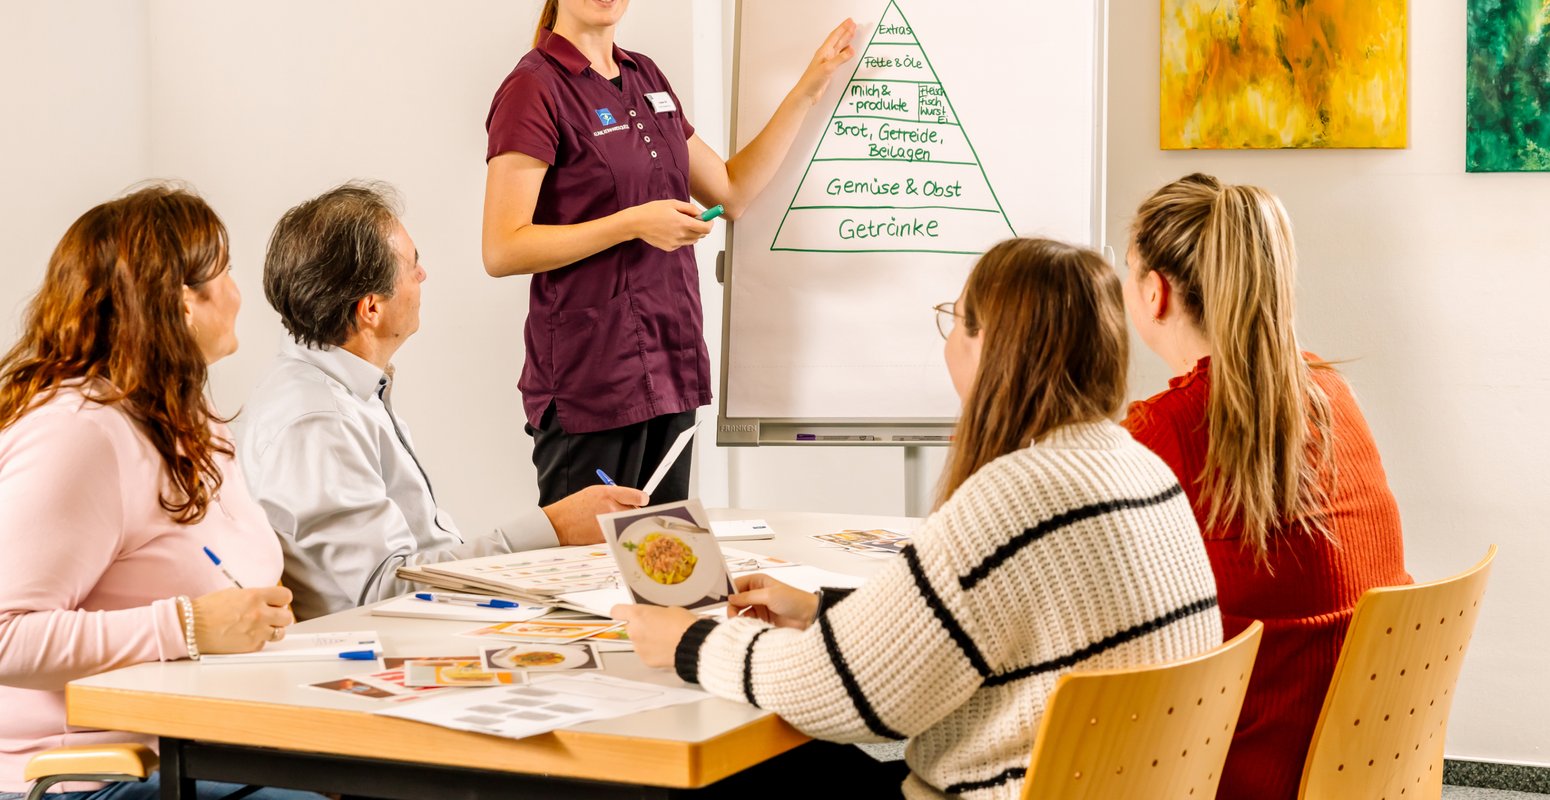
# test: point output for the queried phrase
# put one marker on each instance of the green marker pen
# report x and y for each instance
(711, 213)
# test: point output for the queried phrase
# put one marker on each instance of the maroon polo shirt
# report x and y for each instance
(617, 337)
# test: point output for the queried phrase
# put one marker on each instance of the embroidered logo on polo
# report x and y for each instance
(605, 116)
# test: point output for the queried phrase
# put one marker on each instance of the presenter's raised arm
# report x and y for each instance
(735, 182)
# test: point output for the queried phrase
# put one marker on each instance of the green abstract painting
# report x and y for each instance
(1508, 86)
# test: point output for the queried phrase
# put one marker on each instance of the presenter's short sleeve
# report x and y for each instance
(524, 118)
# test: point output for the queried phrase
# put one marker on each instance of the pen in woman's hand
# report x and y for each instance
(216, 560)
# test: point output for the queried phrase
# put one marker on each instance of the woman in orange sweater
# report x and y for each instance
(1272, 450)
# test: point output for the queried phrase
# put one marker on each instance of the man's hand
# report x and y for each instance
(575, 518)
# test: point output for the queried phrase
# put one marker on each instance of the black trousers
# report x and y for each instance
(805, 770)
(568, 462)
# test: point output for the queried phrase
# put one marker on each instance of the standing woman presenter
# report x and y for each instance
(591, 168)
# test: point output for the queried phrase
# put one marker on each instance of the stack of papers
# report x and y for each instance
(412, 607)
(738, 530)
(878, 543)
(534, 576)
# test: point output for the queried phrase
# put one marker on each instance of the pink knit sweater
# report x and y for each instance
(91, 564)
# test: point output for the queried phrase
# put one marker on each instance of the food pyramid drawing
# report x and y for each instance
(894, 171)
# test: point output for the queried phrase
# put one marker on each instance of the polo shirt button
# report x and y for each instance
(653, 154)
(632, 112)
(640, 125)
(648, 140)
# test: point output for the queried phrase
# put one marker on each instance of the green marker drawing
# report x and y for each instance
(894, 115)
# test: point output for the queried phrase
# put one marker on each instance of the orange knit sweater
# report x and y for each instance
(1306, 597)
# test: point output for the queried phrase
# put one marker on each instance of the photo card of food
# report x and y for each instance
(540, 657)
(668, 555)
(389, 684)
(457, 672)
(546, 631)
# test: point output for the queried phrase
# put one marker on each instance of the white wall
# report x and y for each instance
(1432, 283)
(262, 105)
(73, 127)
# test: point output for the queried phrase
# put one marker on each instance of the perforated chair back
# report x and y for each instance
(1143, 733)
(1385, 716)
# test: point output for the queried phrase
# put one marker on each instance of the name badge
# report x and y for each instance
(661, 101)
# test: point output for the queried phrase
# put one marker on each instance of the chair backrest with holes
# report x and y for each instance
(1385, 716)
(1147, 732)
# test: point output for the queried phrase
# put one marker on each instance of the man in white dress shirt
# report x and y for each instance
(324, 453)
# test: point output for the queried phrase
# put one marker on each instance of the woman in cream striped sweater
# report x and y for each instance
(1060, 544)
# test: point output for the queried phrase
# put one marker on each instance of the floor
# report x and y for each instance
(891, 752)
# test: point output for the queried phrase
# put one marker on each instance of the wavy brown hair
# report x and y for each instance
(1227, 251)
(1054, 353)
(110, 318)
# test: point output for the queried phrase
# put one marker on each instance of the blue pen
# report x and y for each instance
(465, 600)
(215, 559)
(606, 480)
(359, 655)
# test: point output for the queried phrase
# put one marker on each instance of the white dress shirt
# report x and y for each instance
(336, 473)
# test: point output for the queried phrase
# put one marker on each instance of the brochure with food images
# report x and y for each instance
(668, 555)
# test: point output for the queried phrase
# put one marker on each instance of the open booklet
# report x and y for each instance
(585, 578)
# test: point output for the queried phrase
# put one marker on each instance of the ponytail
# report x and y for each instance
(1228, 252)
(546, 20)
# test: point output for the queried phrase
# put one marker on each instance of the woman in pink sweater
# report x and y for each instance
(114, 472)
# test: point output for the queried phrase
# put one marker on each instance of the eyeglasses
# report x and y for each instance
(946, 317)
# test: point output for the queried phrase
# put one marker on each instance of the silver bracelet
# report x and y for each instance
(188, 626)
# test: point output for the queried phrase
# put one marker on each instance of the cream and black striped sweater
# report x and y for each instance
(1080, 552)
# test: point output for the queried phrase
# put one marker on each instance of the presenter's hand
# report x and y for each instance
(655, 631)
(834, 51)
(772, 601)
(241, 620)
(668, 224)
(575, 518)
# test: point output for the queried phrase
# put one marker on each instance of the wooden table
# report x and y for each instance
(262, 724)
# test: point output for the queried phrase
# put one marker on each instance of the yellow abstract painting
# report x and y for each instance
(1242, 74)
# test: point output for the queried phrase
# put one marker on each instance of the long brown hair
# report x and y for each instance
(110, 315)
(1054, 353)
(546, 19)
(1228, 253)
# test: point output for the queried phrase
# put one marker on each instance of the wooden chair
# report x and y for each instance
(1159, 731)
(1381, 732)
(108, 763)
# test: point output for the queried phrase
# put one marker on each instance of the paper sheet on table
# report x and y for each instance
(549, 703)
(304, 647)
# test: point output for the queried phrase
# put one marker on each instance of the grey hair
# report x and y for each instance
(328, 253)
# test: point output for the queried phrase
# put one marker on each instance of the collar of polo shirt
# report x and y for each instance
(562, 52)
